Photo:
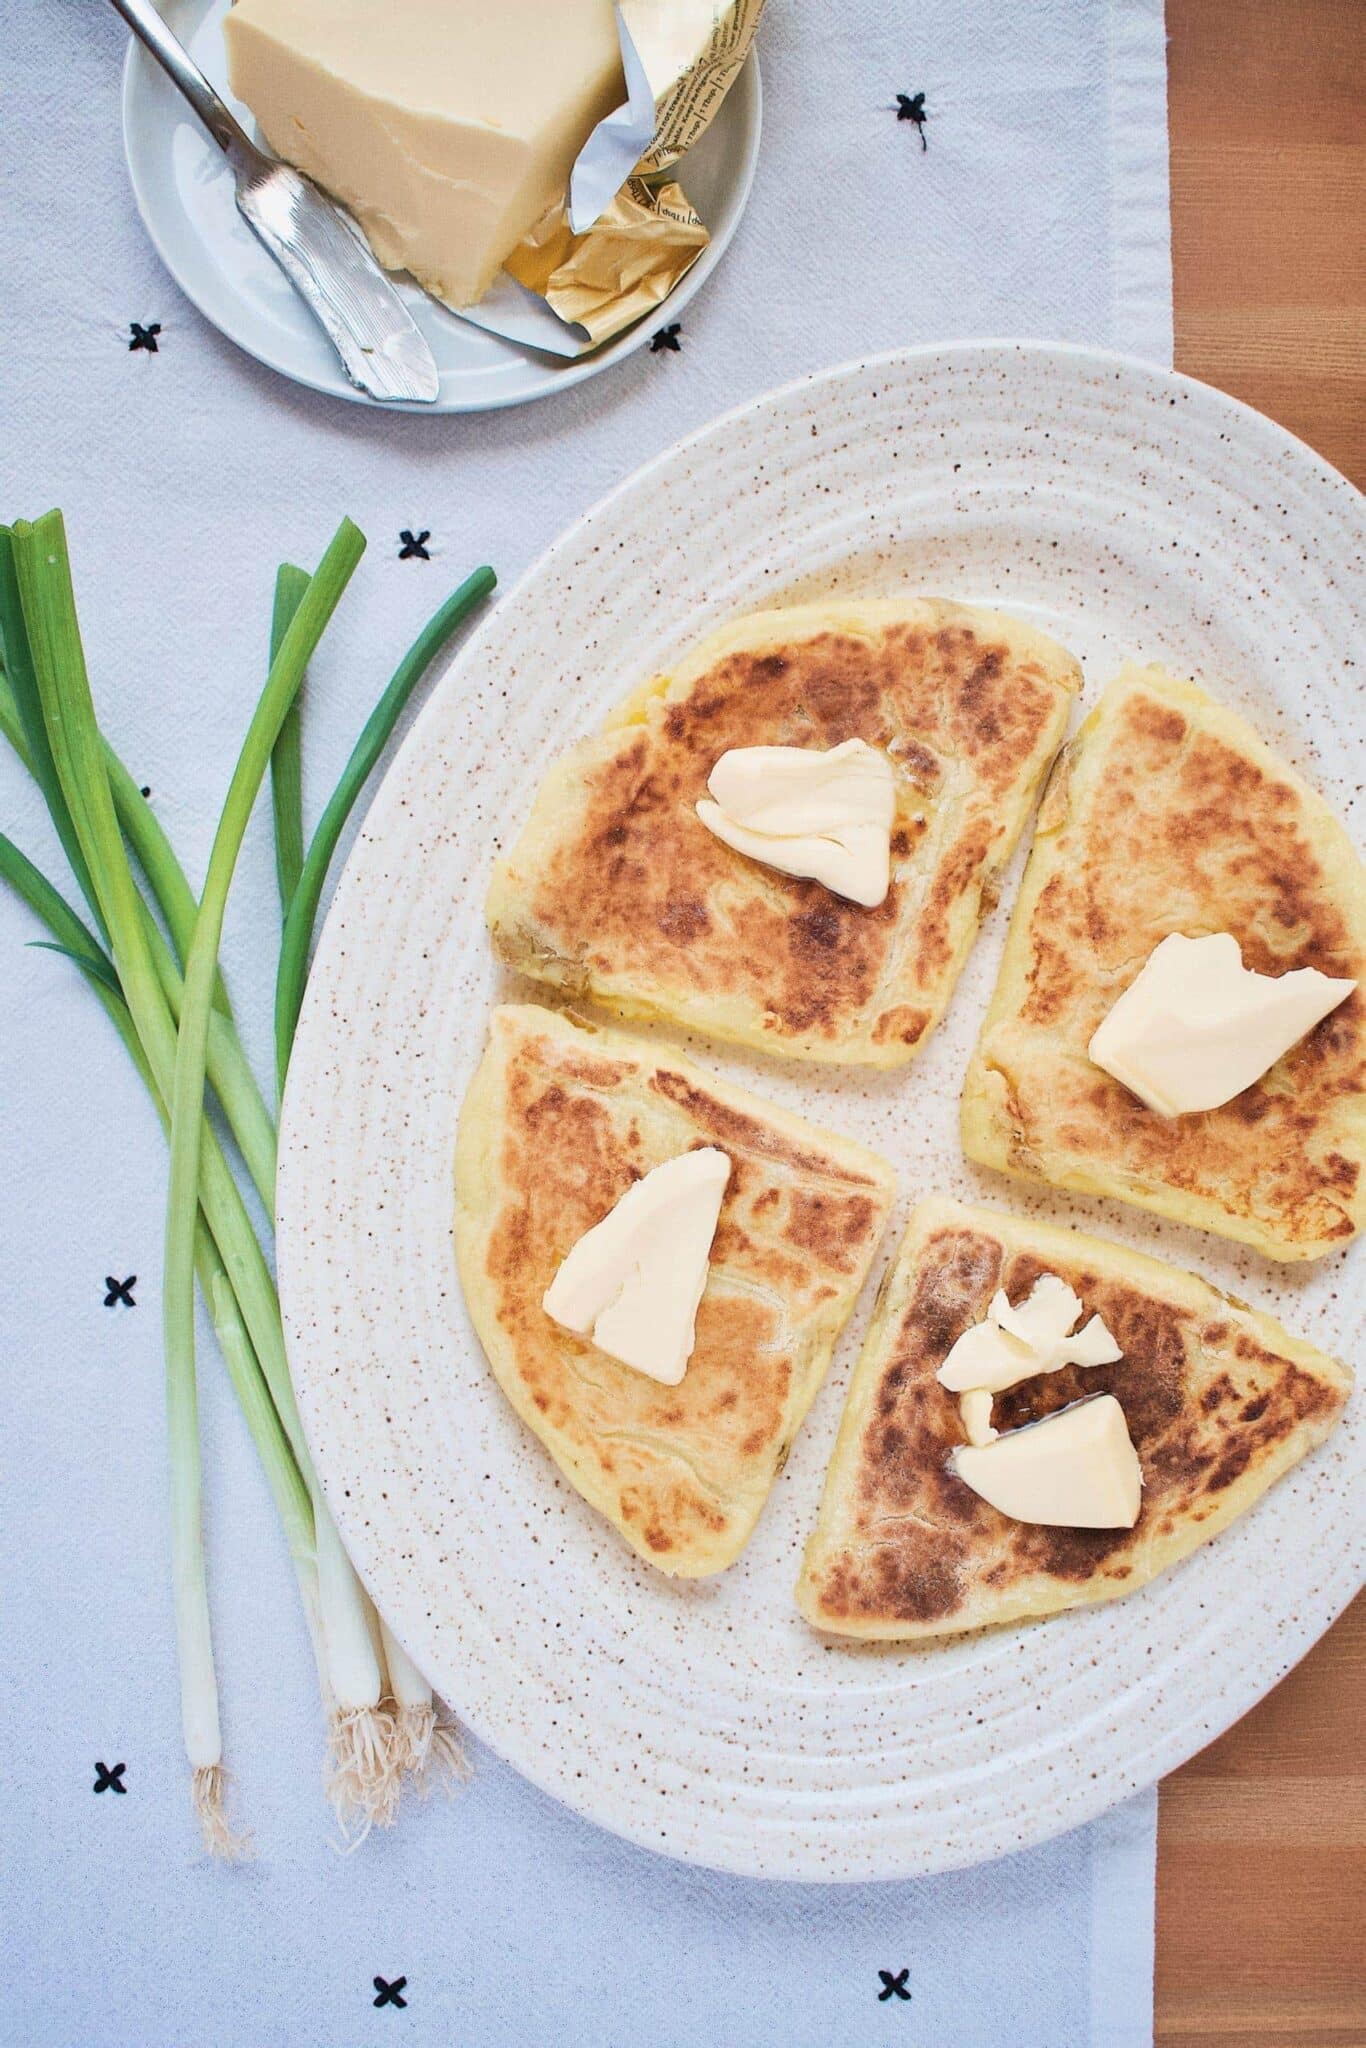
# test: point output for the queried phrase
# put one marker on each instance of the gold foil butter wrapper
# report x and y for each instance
(649, 235)
(720, 36)
(627, 263)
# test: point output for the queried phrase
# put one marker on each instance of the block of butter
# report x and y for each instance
(446, 127)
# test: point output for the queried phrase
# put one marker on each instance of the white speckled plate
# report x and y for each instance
(184, 192)
(1128, 511)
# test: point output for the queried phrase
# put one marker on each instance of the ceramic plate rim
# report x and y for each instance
(1254, 1674)
(748, 90)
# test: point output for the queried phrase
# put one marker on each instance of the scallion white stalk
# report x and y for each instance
(363, 1777)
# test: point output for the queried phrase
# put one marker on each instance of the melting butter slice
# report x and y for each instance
(1015, 1344)
(1076, 1469)
(1196, 1027)
(826, 814)
(635, 1279)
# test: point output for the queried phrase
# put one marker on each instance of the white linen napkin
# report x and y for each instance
(1038, 207)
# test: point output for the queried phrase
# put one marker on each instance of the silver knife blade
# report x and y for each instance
(321, 254)
(380, 346)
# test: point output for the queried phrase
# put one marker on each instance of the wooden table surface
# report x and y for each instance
(1261, 1868)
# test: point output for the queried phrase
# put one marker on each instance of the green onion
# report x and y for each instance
(187, 1112)
(68, 715)
(303, 907)
(49, 612)
(47, 714)
(420, 1742)
(366, 1765)
(286, 760)
(351, 1660)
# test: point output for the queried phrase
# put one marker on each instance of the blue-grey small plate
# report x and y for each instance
(184, 193)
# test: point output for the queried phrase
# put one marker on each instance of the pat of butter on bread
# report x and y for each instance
(1196, 1027)
(825, 813)
(635, 1280)
(1019, 1343)
(1076, 1469)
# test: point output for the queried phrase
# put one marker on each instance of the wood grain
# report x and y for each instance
(1261, 1876)
(1267, 104)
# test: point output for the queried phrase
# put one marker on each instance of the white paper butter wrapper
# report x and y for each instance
(617, 144)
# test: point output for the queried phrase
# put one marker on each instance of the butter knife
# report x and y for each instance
(324, 258)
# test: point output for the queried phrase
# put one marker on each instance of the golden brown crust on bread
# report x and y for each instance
(1219, 1400)
(617, 892)
(559, 1121)
(1168, 813)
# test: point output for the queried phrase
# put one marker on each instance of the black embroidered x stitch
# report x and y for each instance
(911, 107)
(415, 544)
(110, 1781)
(116, 1291)
(666, 337)
(144, 337)
(893, 1987)
(388, 1994)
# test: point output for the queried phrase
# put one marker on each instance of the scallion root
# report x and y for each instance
(446, 1762)
(414, 1728)
(429, 1752)
(207, 1787)
(364, 1771)
(432, 1752)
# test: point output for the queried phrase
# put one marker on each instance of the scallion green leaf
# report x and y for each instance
(229, 1072)
(286, 758)
(303, 908)
(98, 970)
(23, 685)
